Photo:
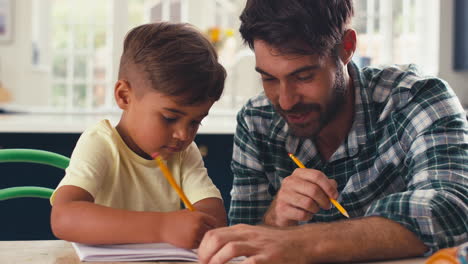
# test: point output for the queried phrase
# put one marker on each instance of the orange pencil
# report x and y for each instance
(165, 170)
(333, 201)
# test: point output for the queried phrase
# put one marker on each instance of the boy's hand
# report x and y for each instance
(185, 228)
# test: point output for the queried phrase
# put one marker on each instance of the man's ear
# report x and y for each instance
(348, 46)
(122, 92)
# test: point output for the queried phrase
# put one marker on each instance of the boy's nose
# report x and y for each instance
(181, 134)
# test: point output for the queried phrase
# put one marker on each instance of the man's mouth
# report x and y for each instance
(298, 118)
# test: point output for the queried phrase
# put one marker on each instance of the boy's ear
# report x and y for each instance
(348, 46)
(122, 92)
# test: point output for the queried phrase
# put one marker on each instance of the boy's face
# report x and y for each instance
(305, 90)
(154, 122)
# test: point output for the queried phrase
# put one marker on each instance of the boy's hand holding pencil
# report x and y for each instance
(183, 228)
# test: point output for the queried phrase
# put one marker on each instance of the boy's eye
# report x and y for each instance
(196, 123)
(169, 119)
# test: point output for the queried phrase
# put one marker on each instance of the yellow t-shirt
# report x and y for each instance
(115, 176)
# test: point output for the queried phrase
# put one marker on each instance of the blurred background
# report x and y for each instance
(62, 55)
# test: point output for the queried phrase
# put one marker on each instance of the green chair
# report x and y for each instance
(32, 156)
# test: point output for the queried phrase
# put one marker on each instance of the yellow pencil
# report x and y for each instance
(157, 158)
(333, 201)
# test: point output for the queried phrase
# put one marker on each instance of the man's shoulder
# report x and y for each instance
(258, 106)
(396, 79)
(397, 86)
(402, 91)
(258, 114)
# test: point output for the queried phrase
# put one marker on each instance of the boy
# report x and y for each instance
(113, 192)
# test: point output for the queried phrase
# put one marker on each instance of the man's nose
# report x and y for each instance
(287, 97)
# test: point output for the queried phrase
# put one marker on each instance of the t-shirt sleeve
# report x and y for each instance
(195, 181)
(90, 162)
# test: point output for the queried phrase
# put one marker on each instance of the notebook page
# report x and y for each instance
(133, 252)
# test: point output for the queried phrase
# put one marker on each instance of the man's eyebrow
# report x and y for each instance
(304, 68)
(296, 71)
(259, 70)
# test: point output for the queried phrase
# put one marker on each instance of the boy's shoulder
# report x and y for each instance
(102, 127)
(101, 135)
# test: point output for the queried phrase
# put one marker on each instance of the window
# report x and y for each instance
(398, 31)
(80, 42)
(80, 65)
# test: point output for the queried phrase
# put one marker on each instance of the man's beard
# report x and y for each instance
(333, 106)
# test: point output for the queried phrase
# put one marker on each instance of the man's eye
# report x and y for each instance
(304, 76)
(267, 78)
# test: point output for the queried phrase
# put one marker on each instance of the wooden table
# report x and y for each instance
(62, 252)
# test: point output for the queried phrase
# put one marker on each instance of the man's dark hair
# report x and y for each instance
(296, 26)
(176, 59)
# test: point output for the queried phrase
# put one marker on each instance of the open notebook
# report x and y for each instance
(135, 252)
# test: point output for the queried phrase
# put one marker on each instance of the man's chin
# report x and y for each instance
(304, 131)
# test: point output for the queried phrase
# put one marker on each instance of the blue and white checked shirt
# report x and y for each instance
(405, 157)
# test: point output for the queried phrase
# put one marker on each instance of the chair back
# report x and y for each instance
(32, 156)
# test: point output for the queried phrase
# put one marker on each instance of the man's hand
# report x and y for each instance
(186, 229)
(301, 195)
(259, 243)
(362, 239)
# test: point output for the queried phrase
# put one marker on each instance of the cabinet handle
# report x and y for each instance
(203, 150)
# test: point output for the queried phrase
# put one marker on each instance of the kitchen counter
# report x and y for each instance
(222, 123)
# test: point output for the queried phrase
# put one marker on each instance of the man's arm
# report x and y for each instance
(432, 132)
(249, 196)
(364, 239)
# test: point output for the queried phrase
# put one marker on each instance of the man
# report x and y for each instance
(389, 145)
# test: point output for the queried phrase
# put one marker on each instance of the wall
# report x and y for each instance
(26, 84)
(458, 80)
(29, 86)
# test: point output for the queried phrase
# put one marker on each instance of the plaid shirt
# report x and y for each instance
(405, 157)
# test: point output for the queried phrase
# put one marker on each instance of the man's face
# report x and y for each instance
(306, 90)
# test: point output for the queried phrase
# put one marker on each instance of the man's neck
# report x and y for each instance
(335, 132)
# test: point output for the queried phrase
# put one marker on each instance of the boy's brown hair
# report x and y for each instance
(176, 59)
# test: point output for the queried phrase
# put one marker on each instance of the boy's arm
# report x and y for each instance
(75, 217)
(214, 207)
